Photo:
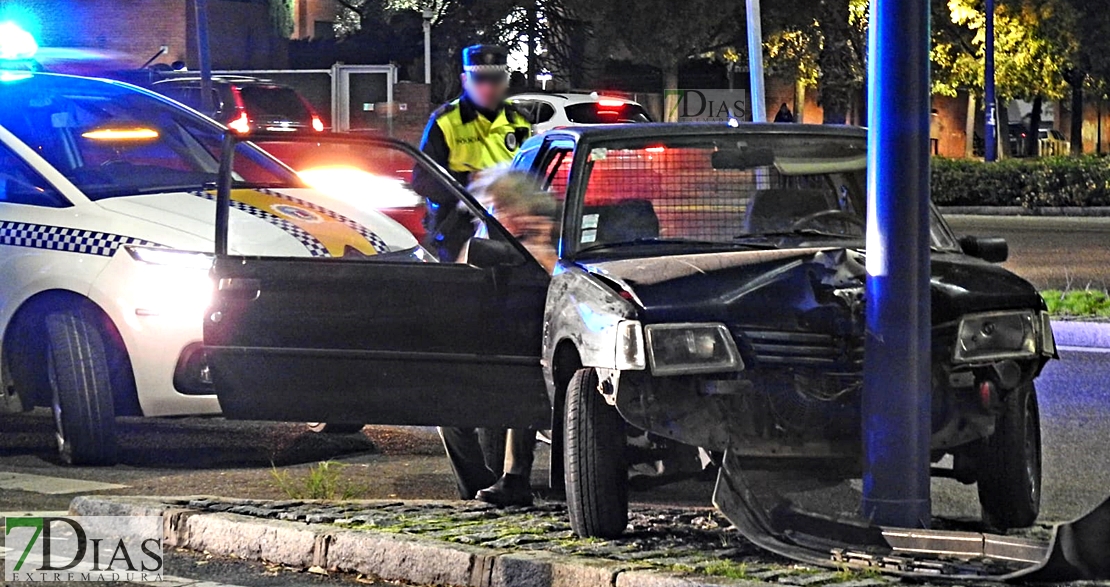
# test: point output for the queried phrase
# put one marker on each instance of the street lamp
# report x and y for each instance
(755, 62)
(990, 150)
(428, 16)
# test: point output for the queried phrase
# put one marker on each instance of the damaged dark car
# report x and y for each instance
(709, 296)
(711, 292)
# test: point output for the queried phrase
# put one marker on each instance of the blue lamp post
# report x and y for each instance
(897, 384)
(991, 104)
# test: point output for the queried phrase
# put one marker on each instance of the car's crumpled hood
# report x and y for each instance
(715, 286)
(294, 222)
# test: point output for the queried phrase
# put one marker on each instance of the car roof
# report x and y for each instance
(648, 130)
(218, 79)
(569, 97)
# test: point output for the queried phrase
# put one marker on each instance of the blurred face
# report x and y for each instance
(484, 90)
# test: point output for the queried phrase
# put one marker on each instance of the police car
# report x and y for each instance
(106, 239)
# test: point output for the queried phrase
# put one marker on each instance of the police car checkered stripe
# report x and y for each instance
(374, 240)
(59, 238)
(314, 246)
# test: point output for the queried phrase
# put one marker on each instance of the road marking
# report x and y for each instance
(1083, 349)
(51, 485)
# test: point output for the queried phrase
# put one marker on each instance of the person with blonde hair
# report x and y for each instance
(525, 210)
(528, 213)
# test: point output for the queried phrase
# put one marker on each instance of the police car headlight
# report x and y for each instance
(997, 335)
(172, 282)
(676, 349)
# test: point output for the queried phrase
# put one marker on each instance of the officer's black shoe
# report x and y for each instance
(509, 490)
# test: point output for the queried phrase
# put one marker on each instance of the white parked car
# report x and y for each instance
(107, 226)
(547, 111)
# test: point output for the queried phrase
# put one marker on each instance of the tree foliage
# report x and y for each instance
(823, 43)
(1035, 46)
(659, 33)
(281, 17)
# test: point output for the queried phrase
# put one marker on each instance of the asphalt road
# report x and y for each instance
(1052, 253)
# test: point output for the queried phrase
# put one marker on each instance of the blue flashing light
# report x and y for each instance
(16, 44)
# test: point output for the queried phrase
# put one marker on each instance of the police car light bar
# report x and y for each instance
(16, 44)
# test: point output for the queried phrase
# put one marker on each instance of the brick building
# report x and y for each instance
(240, 31)
(315, 19)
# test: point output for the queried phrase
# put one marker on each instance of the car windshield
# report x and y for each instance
(113, 140)
(727, 190)
(274, 102)
(603, 112)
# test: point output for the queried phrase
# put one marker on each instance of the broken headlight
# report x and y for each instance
(997, 335)
(675, 349)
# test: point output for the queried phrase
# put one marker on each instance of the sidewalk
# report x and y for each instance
(471, 544)
(1081, 334)
(1055, 211)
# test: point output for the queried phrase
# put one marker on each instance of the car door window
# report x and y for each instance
(544, 112)
(348, 214)
(555, 171)
(20, 184)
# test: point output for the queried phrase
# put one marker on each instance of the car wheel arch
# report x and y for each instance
(26, 330)
(565, 362)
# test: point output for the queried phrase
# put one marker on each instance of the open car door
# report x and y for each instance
(388, 338)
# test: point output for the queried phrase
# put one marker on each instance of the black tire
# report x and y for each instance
(81, 389)
(596, 471)
(334, 428)
(1010, 463)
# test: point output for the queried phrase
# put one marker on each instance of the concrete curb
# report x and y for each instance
(1074, 333)
(1053, 211)
(387, 556)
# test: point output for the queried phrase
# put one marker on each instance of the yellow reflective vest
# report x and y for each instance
(474, 142)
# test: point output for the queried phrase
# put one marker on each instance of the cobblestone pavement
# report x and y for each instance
(681, 539)
(663, 546)
(695, 541)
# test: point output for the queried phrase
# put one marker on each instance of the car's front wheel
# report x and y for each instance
(81, 389)
(594, 462)
(1010, 463)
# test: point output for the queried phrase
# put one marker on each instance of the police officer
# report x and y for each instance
(476, 131)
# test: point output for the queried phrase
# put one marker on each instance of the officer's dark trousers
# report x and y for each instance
(476, 469)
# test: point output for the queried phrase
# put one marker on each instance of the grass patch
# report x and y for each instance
(323, 480)
(1079, 303)
(727, 569)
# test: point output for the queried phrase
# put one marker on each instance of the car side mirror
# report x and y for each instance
(989, 249)
(488, 253)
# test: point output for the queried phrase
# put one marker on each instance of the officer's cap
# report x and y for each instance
(486, 62)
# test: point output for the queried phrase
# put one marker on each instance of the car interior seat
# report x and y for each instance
(776, 210)
(624, 221)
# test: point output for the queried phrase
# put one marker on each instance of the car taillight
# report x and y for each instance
(241, 124)
(610, 103)
(317, 124)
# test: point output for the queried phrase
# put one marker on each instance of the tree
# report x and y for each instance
(1090, 67)
(1034, 45)
(393, 27)
(659, 33)
(821, 43)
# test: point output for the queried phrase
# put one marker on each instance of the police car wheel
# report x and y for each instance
(81, 389)
(334, 428)
(1010, 463)
(594, 461)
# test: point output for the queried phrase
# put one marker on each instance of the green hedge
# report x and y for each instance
(1032, 183)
